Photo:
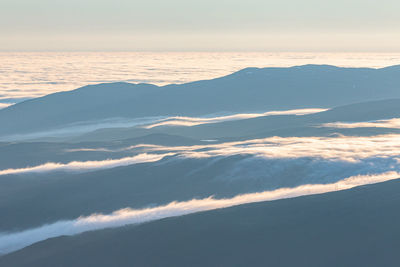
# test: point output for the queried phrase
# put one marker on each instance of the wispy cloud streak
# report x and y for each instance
(5, 105)
(192, 121)
(392, 123)
(82, 127)
(13, 241)
(81, 166)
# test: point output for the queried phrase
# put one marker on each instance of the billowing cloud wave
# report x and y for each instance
(13, 241)
(88, 165)
(392, 123)
(346, 148)
(192, 121)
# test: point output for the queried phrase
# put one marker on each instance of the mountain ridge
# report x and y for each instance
(248, 90)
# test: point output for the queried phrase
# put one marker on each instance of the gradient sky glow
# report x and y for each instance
(206, 25)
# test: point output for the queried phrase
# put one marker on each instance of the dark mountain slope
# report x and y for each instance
(357, 227)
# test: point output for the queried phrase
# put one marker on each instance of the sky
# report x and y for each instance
(206, 25)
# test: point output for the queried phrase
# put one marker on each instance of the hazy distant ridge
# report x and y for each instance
(251, 89)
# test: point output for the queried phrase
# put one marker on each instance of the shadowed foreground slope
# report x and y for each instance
(357, 227)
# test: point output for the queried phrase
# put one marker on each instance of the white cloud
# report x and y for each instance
(13, 241)
(192, 121)
(5, 105)
(78, 128)
(81, 166)
(346, 148)
(391, 123)
(100, 149)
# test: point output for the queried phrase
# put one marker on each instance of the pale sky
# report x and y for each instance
(206, 25)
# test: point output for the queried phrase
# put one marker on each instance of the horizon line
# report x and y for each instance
(194, 51)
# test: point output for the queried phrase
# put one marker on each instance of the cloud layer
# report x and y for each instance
(81, 166)
(13, 241)
(192, 121)
(76, 129)
(52, 72)
(345, 148)
(392, 123)
(4, 105)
